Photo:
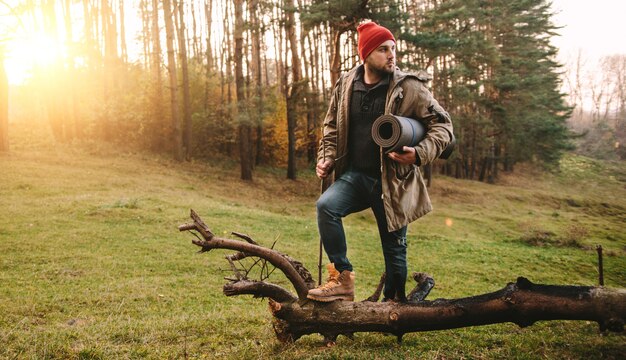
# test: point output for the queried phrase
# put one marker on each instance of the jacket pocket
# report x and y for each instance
(403, 171)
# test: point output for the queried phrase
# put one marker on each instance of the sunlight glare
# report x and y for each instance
(26, 53)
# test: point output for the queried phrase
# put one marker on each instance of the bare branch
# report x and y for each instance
(233, 267)
(292, 269)
(237, 256)
(259, 289)
(197, 225)
(425, 283)
(245, 237)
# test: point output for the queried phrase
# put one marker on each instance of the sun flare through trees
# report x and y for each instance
(165, 76)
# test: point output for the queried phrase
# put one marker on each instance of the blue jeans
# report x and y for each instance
(354, 192)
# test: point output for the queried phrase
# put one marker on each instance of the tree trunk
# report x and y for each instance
(53, 79)
(182, 52)
(257, 77)
(278, 54)
(71, 123)
(496, 159)
(171, 66)
(88, 24)
(208, 12)
(483, 169)
(244, 130)
(159, 125)
(226, 71)
(195, 44)
(4, 107)
(109, 33)
(335, 57)
(145, 31)
(123, 47)
(522, 302)
(310, 96)
(294, 93)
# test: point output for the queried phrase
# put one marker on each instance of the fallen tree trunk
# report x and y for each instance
(522, 302)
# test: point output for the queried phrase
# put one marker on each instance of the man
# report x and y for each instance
(390, 184)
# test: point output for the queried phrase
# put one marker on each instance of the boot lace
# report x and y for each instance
(331, 282)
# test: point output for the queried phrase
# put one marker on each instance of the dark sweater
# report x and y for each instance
(367, 103)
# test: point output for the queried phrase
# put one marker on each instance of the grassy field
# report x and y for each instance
(92, 265)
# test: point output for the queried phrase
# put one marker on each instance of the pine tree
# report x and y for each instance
(529, 111)
(494, 70)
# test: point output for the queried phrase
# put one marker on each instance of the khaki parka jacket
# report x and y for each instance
(405, 196)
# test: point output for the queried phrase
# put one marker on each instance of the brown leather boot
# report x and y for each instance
(338, 286)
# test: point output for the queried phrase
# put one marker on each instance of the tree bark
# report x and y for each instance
(71, 123)
(171, 66)
(123, 47)
(4, 107)
(257, 77)
(244, 130)
(294, 92)
(311, 94)
(145, 31)
(208, 13)
(335, 56)
(182, 54)
(109, 35)
(156, 110)
(522, 302)
(53, 79)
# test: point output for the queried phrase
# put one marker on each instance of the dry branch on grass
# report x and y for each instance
(522, 302)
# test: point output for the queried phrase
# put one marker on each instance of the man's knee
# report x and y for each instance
(322, 204)
(327, 205)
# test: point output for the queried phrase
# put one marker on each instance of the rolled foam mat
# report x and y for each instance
(392, 132)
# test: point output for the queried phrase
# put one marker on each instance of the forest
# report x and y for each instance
(119, 116)
(250, 80)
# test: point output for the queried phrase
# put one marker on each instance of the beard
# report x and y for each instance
(381, 70)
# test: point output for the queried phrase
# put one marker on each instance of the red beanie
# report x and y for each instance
(371, 35)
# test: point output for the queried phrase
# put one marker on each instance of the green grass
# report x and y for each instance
(92, 265)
